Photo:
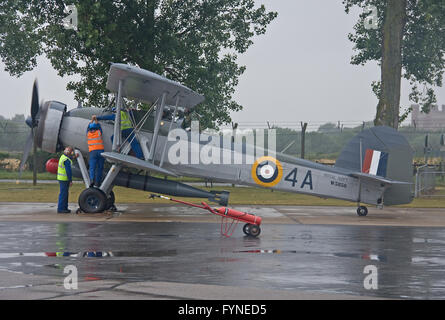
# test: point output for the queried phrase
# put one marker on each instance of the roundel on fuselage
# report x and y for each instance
(267, 171)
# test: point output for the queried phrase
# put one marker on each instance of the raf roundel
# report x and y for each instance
(267, 171)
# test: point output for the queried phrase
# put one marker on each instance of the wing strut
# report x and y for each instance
(117, 122)
(171, 124)
(159, 112)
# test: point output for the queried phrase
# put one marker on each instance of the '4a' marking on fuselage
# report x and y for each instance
(292, 177)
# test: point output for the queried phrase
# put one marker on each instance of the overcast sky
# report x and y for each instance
(299, 71)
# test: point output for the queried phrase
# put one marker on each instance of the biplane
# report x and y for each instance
(374, 168)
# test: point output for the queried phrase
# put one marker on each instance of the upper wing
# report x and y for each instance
(148, 86)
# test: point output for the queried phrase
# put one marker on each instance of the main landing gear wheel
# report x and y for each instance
(110, 202)
(362, 211)
(92, 200)
(251, 230)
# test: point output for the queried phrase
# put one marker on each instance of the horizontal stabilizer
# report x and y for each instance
(133, 162)
(370, 177)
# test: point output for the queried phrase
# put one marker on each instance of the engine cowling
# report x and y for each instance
(50, 121)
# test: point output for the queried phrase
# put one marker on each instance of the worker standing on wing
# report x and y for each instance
(126, 130)
(95, 149)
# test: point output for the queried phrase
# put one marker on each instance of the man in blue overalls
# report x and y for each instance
(95, 149)
(65, 178)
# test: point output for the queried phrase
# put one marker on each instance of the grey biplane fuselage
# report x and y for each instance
(303, 176)
(232, 161)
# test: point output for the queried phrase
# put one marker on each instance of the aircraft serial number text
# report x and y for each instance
(339, 184)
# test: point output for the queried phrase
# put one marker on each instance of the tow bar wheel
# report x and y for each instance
(251, 230)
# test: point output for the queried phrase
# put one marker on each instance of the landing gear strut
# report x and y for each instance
(362, 211)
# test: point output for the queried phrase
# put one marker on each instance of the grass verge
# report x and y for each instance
(25, 192)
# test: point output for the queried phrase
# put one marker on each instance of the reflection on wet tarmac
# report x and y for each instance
(90, 254)
(374, 257)
(410, 261)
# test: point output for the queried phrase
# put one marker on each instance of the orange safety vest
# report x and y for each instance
(95, 141)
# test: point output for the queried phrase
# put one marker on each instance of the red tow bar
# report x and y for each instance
(253, 222)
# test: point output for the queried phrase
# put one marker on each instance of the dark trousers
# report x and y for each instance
(63, 195)
(96, 164)
(135, 146)
(129, 133)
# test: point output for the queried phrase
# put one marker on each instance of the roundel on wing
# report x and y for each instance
(267, 171)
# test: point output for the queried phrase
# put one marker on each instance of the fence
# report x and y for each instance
(429, 182)
(320, 141)
(313, 140)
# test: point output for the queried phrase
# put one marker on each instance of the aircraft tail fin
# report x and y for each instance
(384, 153)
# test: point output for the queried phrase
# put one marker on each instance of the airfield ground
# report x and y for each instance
(155, 249)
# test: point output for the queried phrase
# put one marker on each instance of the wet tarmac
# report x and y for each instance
(409, 262)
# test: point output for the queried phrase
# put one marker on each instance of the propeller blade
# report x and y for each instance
(35, 106)
(28, 147)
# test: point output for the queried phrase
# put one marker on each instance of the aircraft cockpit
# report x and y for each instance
(170, 119)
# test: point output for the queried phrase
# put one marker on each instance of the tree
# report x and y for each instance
(195, 42)
(408, 41)
(328, 127)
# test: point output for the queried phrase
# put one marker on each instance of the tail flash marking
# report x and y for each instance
(375, 163)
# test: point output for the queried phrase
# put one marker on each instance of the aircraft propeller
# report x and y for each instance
(32, 122)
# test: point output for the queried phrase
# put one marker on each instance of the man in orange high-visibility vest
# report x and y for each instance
(95, 148)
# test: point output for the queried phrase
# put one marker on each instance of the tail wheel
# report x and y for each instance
(92, 200)
(362, 211)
